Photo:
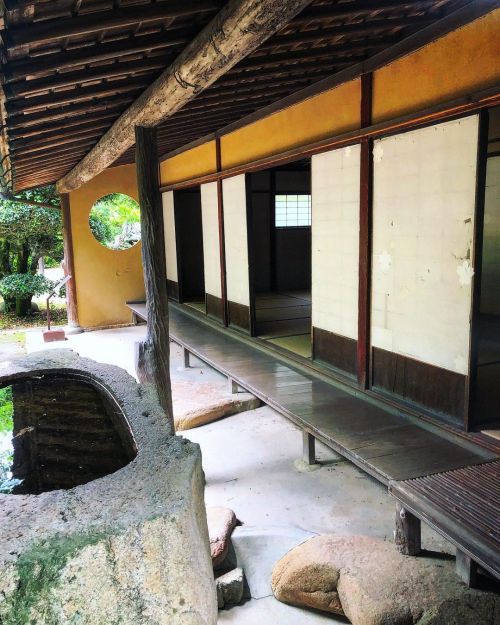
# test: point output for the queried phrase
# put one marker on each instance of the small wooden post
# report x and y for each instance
(407, 534)
(466, 569)
(153, 355)
(308, 448)
(186, 356)
(69, 266)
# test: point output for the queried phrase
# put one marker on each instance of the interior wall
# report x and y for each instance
(195, 162)
(235, 234)
(189, 240)
(490, 279)
(261, 199)
(211, 251)
(105, 279)
(170, 242)
(335, 241)
(423, 223)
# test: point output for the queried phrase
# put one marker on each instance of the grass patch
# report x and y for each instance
(9, 321)
(6, 410)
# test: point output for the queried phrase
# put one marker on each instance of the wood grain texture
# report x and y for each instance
(335, 350)
(69, 262)
(435, 388)
(153, 355)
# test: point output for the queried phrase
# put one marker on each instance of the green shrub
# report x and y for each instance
(18, 289)
(6, 410)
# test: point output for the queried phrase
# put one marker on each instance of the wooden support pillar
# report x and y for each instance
(153, 355)
(466, 569)
(365, 238)
(69, 266)
(308, 448)
(186, 355)
(222, 243)
(407, 534)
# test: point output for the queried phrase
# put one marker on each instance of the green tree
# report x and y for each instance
(26, 234)
(111, 218)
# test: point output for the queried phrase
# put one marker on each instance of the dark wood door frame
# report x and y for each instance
(250, 252)
(222, 240)
(470, 418)
(365, 238)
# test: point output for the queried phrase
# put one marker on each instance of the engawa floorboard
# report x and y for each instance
(386, 445)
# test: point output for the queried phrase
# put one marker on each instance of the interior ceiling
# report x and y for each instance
(71, 67)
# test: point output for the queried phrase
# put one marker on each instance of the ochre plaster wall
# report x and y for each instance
(459, 63)
(331, 112)
(462, 62)
(105, 279)
(190, 164)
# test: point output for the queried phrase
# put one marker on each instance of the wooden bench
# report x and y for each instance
(462, 505)
(139, 311)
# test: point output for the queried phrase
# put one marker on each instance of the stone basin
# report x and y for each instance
(117, 532)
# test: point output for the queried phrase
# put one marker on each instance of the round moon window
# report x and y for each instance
(115, 221)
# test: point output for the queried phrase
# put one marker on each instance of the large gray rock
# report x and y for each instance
(221, 522)
(131, 547)
(370, 583)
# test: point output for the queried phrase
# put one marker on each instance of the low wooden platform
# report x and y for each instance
(386, 445)
(464, 506)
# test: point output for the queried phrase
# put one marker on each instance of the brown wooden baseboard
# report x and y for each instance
(335, 350)
(435, 388)
(173, 290)
(239, 316)
(215, 307)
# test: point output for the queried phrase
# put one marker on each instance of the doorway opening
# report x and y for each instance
(189, 244)
(487, 391)
(280, 220)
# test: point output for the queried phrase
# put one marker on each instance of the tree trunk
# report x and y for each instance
(23, 258)
(69, 264)
(153, 355)
(5, 265)
(23, 306)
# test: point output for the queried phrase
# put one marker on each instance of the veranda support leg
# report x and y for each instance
(466, 569)
(186, 355)
(233, 386)
(407, 534)
(308, 448)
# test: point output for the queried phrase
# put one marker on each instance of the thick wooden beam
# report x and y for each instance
(69, 264)
(237, 30)
(153, 356)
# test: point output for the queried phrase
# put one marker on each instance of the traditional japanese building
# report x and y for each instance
(330, 187)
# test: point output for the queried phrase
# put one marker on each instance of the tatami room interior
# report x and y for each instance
(280, 240)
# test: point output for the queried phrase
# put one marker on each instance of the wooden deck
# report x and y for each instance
(386, 445)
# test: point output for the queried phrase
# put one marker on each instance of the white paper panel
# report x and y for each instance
(169, 228)
(335, 241)
(211, 253)
(424, 196)
(235, 235)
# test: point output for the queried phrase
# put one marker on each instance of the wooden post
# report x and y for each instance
(365, 238)
(222, 242)
(308, 448)
(407, 535)
(69, 266)
(153, 355)
(466, 569)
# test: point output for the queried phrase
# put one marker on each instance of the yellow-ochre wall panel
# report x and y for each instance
(198, 161)
(332, 112)
(462, 62)
(105, 279)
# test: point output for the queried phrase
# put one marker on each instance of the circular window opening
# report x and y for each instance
(114, 221)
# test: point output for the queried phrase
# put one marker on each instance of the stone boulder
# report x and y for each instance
(221, 523)
(130, 547)
(210, 403)
(230, 588)
(370, 583)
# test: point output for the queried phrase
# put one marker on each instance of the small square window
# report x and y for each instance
(292, 211)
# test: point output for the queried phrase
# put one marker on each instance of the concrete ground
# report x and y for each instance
(250, 462)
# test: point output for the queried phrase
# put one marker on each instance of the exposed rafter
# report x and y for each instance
(237, 30)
